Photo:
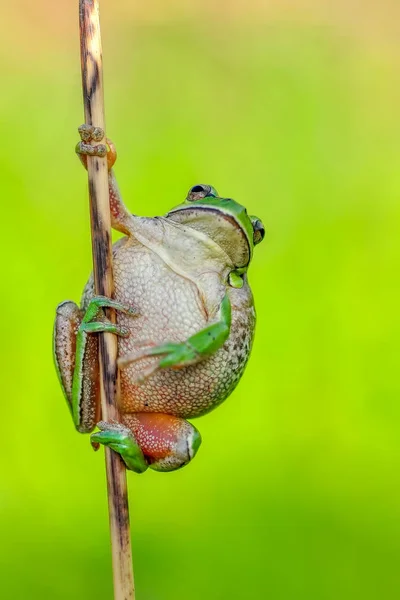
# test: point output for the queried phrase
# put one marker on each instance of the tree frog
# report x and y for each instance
(185, 325)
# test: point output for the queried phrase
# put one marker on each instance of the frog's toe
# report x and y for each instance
(104, 302)
(90, 133)
(123, 331)
(120, 439)
(85, 147)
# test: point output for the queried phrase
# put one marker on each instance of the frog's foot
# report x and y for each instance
(173, 355)
(86, 148)
(167, 442)
(94, 320)
(120, 439)
(97, 303)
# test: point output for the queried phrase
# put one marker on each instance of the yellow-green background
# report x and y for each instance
(293, 109)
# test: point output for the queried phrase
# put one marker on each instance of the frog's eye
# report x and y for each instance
(258, 230)
(197, 192)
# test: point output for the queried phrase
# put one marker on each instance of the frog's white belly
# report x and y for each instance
(170, 310)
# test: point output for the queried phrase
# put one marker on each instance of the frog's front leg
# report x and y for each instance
(162, 442)
(196, 348)
(120, 216)
(76, 355)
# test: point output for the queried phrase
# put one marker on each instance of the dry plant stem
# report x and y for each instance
(93, 98)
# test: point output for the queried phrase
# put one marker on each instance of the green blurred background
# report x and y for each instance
(293, 109)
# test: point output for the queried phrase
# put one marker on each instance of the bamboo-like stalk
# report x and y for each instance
(93, 99)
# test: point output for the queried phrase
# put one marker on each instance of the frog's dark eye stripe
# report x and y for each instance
(197, 192)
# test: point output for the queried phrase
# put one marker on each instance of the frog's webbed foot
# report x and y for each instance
(94, 320)
(120, 439)
(173, 355)
(86, 147)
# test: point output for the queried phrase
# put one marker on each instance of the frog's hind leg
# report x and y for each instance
(66, 327)
(76, 355)
(166, 442)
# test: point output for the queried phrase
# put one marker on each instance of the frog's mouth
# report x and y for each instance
(221, 227)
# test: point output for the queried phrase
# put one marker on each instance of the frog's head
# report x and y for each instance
(223, 220)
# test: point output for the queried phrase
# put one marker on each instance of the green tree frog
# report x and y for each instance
(185, 325)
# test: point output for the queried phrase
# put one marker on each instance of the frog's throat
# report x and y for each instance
(244, 224)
